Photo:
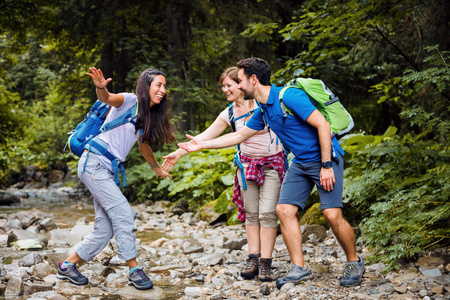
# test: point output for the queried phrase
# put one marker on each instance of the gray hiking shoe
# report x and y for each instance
(295, 275)
(353, 272)
(139, 280)
(72, 274)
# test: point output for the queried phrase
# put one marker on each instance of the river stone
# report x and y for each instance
(235, 244)
(180, 207)
(319, 269)
(318, 230)
(192, 246)
(211, 259)
(13, 224)
(193, 291)
(35, 287)
(26, 218)
(159, 242)
(265, 290)
(51, 279)
(70, 237)
(429, 261)
(30, 260)
(130, 292)
(56, 176)
(8, 198)
(3, 240)
(435, 272)
(18, 234)
(207, 213)
(49, 295)
(47, 224)
(42, 270)
(14, 287)
(402, 297)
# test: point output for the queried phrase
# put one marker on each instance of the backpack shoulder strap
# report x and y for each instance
(285, 110)
(231, 117)
(128, 116)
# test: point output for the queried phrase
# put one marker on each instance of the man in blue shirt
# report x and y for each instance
(318, 162)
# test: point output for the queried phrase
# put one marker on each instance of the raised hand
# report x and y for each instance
(98, 78)
(192, 145)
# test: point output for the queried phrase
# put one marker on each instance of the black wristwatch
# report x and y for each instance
(326, 164)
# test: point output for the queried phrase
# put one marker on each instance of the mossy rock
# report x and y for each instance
(207, 212)
(222, 204)
(314, 215)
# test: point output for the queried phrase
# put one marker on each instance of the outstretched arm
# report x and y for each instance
(103, 94)
(147, 153)
(224, 141)
(211, 132)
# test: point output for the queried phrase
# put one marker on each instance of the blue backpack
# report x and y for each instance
(83, 136)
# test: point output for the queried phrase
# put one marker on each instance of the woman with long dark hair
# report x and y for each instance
(113, 213)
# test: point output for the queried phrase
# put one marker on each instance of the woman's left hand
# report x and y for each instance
(161, 173)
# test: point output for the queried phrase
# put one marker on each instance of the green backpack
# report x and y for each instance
(325, 101)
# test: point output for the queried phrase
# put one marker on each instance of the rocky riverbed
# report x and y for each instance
(186, 258)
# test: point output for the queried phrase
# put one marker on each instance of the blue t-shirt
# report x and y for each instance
(297, 135)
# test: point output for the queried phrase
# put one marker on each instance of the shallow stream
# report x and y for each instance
(66, 211)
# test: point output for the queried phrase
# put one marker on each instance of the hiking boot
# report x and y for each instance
(295, 275)
(251, 268)
(72, 274)
(353, 272)
(264, 269)
(140, 280)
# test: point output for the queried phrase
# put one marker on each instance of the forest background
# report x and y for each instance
(386, 60)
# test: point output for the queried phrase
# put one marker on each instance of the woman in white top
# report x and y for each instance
(263, 163)
(113, 213)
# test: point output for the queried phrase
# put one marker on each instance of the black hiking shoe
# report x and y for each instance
(72, 274)
(139, 280)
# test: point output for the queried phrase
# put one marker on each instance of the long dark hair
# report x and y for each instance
(154, 120)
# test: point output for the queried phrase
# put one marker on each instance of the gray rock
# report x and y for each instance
(47, 224)
(265, 290)
(318, 230)
(3, 240)
(50, 295)
(235, 244)
(30, 260)
(42, 270)
(8, 198)
(14, 287)
(13, 224)
(35, 287)
(430, 261)
(211, 259)
(430, 272)
(19, 234)
(192, 246)
(193, 291)
(130, 292)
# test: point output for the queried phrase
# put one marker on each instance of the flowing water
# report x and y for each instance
(66, 211)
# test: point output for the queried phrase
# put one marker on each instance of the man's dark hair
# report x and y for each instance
(257, 66)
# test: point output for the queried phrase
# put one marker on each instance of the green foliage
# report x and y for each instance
(399, 188)
(199, 177)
